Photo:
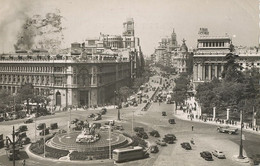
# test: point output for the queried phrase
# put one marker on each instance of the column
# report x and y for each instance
(222, 68)
(209, 70)
(228, 113)
(199, 72)
(195, 74)
(203, 72)
(216, 70)
(214, 113)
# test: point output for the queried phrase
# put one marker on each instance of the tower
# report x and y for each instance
(129, 27)
(173, 39)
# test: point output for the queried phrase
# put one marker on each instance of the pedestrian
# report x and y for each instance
(192, 128)
(23, 162)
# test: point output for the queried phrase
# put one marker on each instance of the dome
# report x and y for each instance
(184, 47)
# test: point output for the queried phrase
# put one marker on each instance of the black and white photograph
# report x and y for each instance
(130, 82)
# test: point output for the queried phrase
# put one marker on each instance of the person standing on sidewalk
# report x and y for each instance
(192, 128)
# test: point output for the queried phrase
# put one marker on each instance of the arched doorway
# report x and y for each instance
(58, 99)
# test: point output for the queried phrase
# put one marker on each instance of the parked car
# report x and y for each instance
(118, 127)
(91, 115)
(105, 127)
(206, 155)
(25, 140)
(154, 149)
(28, 120)
(97, 117)
(227, 129)
(21, 135)
(172, 121)
(142, 134)
(164, 113)
(256, 159)
(169, 138)
(218, 154)
(53, 126)
(160, 142)
(22, 128)
(186, 145)
(47, 131)
(154, 133)
(103, 111)
(135, 104)
(61, 131)
(137, 129)
(74, 121)
(110, 122)
(125, 105)
(97, 125)
(41, 126)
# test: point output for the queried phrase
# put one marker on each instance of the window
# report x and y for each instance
(58, 81)
(57, 69)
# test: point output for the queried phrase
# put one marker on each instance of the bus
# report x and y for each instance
(137, 152)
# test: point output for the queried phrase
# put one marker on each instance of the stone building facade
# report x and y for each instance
(67, 79)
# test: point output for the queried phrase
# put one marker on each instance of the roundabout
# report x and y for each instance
(67, 141)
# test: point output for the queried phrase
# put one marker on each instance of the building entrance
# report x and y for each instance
(58, 99)
(83, 98)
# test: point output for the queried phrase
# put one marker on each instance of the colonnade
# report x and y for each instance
(206, 72)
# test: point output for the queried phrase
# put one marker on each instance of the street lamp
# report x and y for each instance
(109, 132)
(241, 140)
(133, 123)
(13, 143)
(118, 106)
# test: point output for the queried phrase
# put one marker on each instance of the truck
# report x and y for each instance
(227, 129)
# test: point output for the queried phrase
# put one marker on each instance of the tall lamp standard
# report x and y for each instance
(240, 156)
(118, 105)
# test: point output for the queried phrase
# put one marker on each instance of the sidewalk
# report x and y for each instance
(186, 116)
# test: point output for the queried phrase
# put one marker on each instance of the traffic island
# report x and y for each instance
(241, 160)
(61, 146)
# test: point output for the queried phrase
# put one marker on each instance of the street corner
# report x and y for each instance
(244, 159)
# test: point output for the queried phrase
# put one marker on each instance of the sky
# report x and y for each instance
(154, 19)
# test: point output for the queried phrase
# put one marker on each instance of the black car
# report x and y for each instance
(25, 140)
(41, 126)
(154, 133)
(22, 128)
(103, 111)
(154, 149)
(137, 129)
(28, 121)
(91, 115)
(164, 113)
(206, 155)
(74, 121)
(47, 131)
(22, 135)
(169, 138)
(142, 134)
(171, 121)
(186, 145)
(53, 126)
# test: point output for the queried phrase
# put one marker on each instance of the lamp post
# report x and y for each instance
(133, 123)
(240, 156)
(109, 132)
(13, 143)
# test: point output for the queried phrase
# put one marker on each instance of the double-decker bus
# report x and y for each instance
(137, 152)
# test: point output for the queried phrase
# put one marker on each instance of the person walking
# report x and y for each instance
(192, 127)
(23, 162)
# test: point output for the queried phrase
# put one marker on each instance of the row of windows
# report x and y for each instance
(213, 44)
(30, 69)
(25, 79)
(36, 90)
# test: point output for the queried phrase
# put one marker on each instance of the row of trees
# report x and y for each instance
(10, 102)
(236, 90)
(126, 91)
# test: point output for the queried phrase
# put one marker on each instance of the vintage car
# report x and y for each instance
(160, 142)
(206, 155)
(218, 154)
(186, 145)
(53, 126)
(227, 129)
(28, 120)
(154, 133)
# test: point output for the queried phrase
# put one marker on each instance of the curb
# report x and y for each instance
(244, 160)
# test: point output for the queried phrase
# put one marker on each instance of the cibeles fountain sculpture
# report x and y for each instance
(88, 135)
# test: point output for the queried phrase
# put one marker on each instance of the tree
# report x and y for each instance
(26, 93)
(125, 92)
(180, 91)
(5, 99)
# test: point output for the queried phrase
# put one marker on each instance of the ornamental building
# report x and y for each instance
(87, 75)
(210, 57)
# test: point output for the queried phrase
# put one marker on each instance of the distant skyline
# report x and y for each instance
(154, 19)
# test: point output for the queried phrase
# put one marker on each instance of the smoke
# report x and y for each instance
(13, 14)
(24, 31)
